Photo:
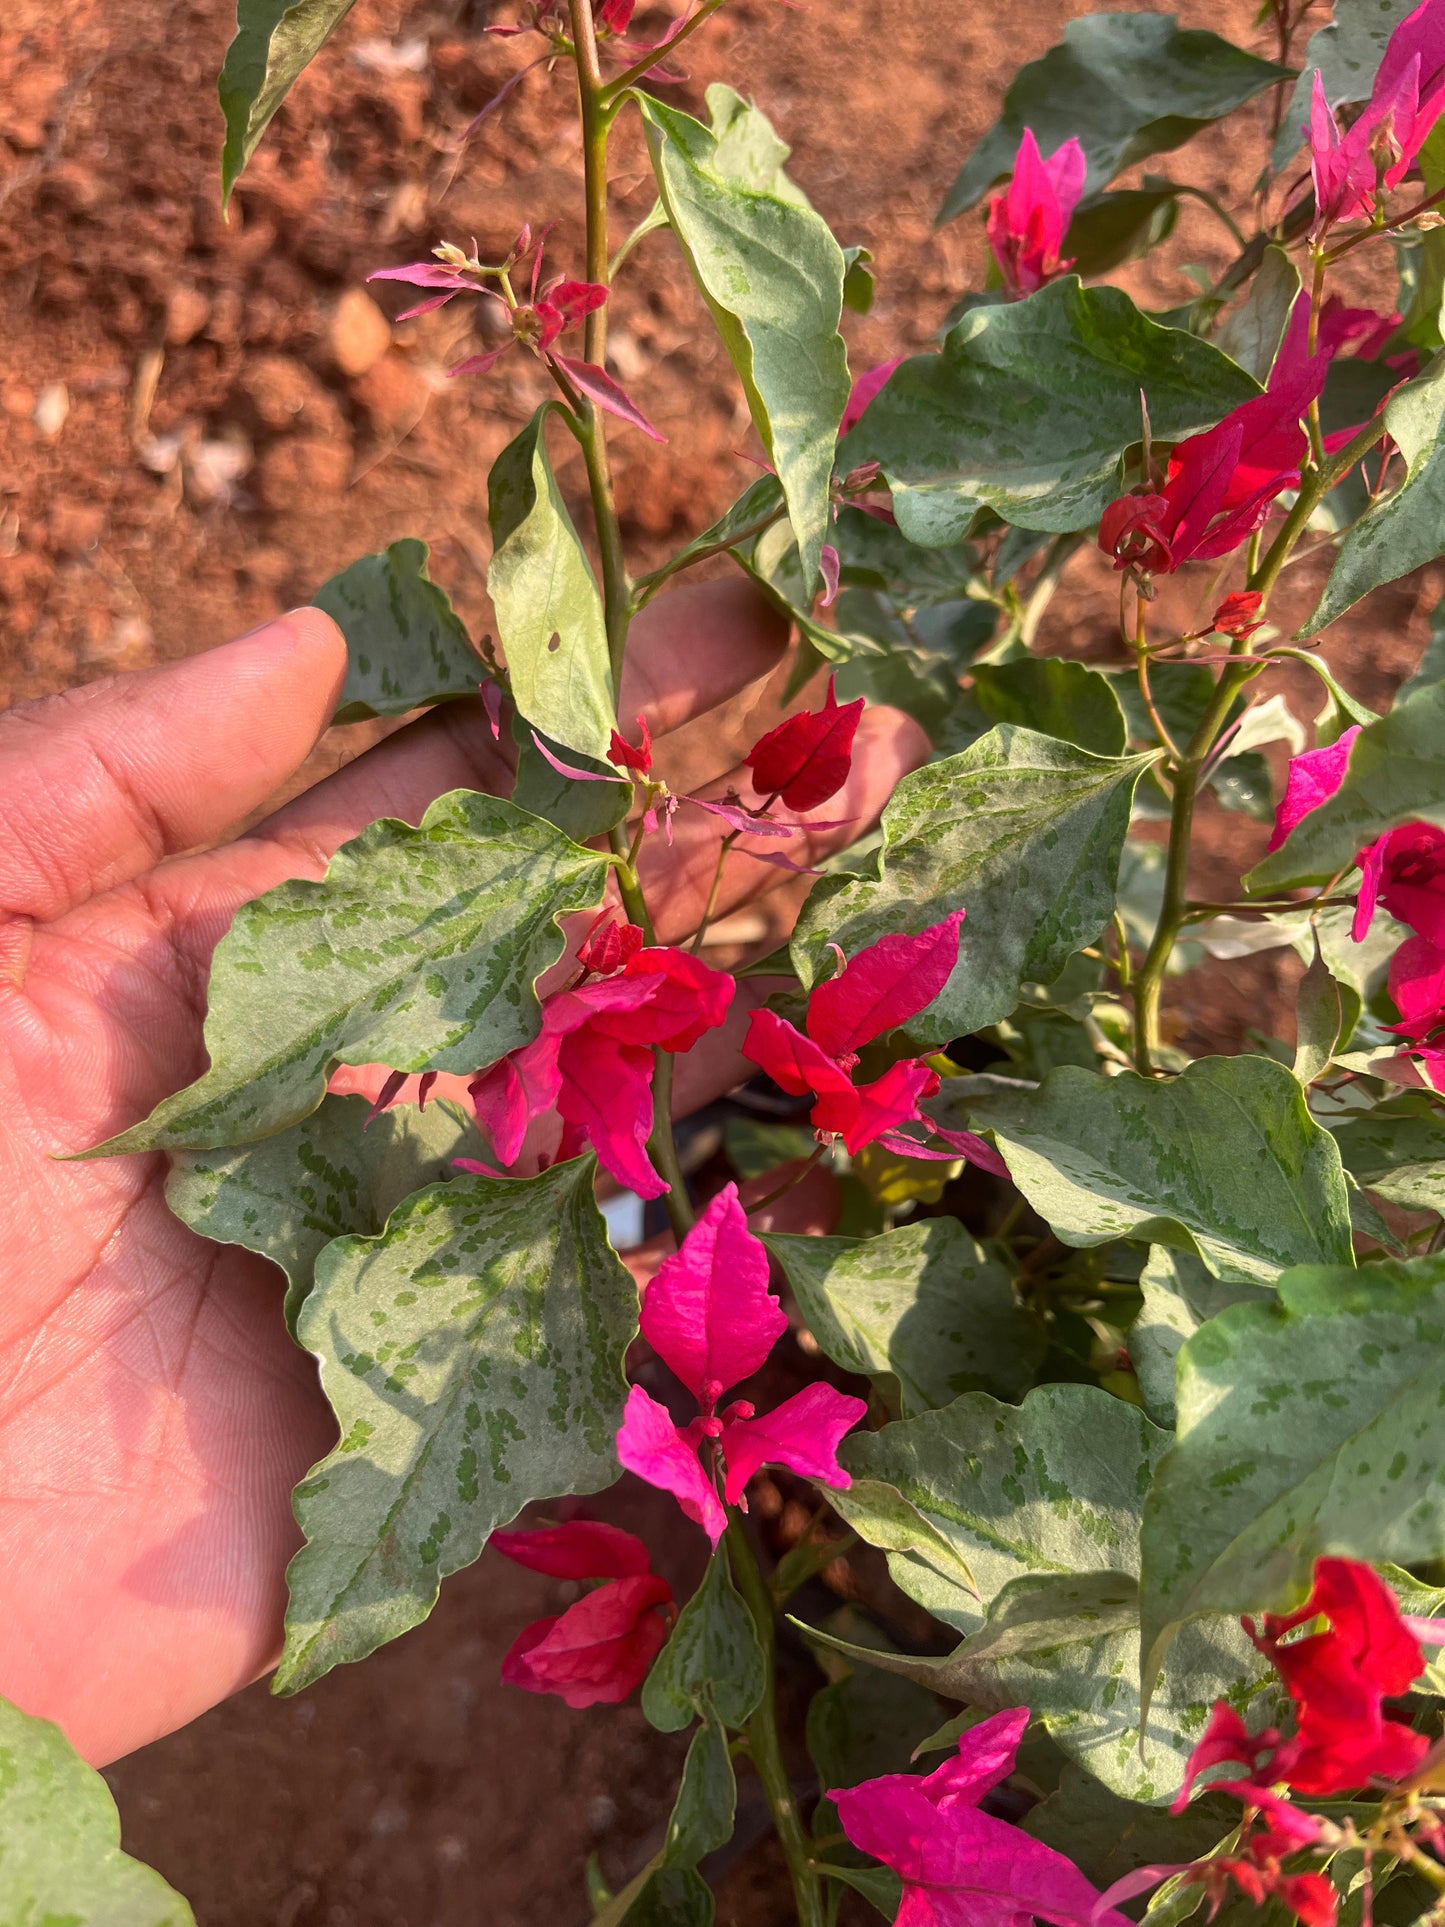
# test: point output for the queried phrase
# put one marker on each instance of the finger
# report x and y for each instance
(690, 652)
(676, 881)
(102, 781)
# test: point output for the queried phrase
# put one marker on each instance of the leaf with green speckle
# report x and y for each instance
(419, 950)
(288, 1196)
(711, 1651)
(772, 277)
(1314, 1425)
(405, 644)
(1042, 1504)
(922, 1304)
(1224, 1159)
(549, 613)
(472, 1355)
(61, 1863)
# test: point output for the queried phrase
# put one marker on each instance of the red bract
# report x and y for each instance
(599, 1649)
(709, 1316)
(1220, 484)
(1027, 223)
(593, 1063)
(1236, 615)
(616, 15)
(622, 753)
(1338, 1679)
(879, 990)
(806, 759)
(582, 1549)
(865, 391)
(608, 945)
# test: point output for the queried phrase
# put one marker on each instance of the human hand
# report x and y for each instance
(154, 1415)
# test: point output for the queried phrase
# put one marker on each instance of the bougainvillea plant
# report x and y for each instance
(1129, 1364)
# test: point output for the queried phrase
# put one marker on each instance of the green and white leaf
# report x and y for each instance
(419, 950)
(61, 1863)
(274, 41)
(1395, 775)
(472, 1355)
(549, 614)
(772, 276)
(922, 1304)
(1022, 831)
(1398, 1151)
(712, 1656)
(1306, 1427)
(1405, 529)
(1126, 85)
(1180, 1293)
(1223, 1160)
(1029, 407)
(756, 508)
(1107, 1837)
(1042, 1502)
(286, 1197)
(405, 644)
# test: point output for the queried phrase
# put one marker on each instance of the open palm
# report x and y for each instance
(154, 1414)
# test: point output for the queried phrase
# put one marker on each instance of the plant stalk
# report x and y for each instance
(596, 125)
(764, 1746)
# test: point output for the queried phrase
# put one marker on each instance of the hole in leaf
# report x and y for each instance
(555, 644)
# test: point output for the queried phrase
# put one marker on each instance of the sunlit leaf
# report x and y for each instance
(772, 276)
(472, 1355)
(922, 1303)
(1404, 530)
(549, 614)
(1308, 1426)
(1125, 85)
(419, 950)
(1224, 1160)
(405, 644)
(274, 41)
(288, 1196)
(61, 1863)
(1021, 831)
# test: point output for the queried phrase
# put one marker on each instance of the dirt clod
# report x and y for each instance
(359, 333)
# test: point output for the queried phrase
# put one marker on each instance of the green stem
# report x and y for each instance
(1149, 978)
(628, 887)
(596, 124)
(1313, 489)
(712, 895)
(662, 1147)
(764, 1745)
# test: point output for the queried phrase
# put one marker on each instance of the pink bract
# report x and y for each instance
(806, 759)
(961, 1867)
(1028, 221)
(708, 1314)
(596, 1652)
(650, 1445)
(802, 1433)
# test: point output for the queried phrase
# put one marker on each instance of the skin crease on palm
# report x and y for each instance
(154, 1415)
